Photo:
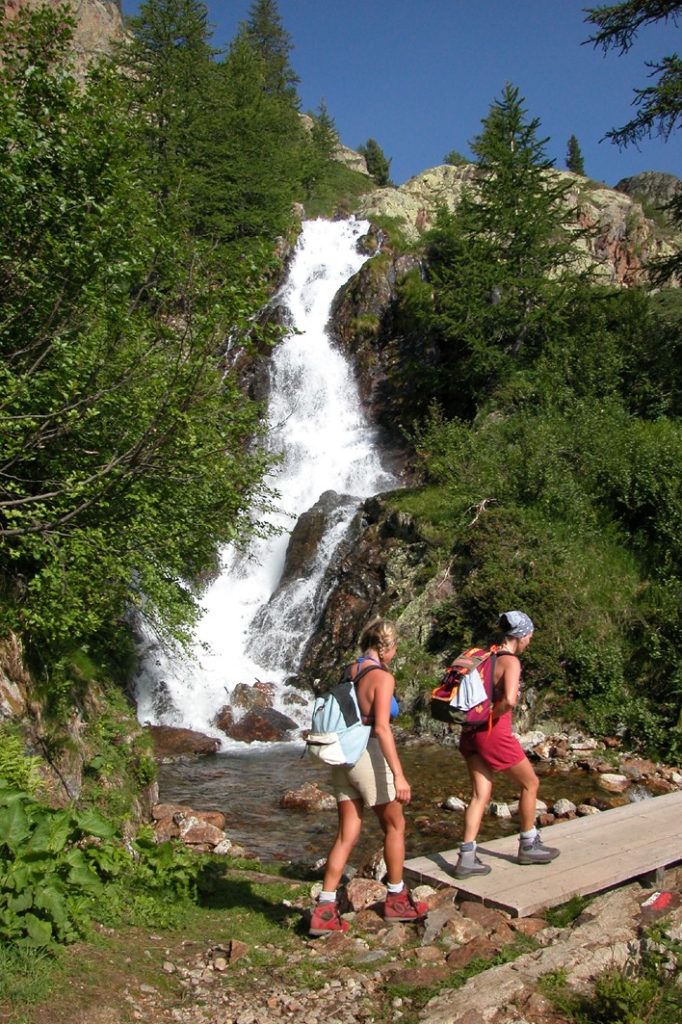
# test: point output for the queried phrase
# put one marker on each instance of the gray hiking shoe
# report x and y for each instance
(468, 865)
(535, 851)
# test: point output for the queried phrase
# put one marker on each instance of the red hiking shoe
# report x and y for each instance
(325, 918)
(401, 906)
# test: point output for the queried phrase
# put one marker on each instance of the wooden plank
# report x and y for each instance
(597, 852)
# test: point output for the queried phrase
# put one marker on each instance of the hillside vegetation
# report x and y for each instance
(147, 212)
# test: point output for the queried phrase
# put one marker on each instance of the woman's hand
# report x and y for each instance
(403, 790)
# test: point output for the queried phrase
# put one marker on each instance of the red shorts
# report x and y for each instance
(498, 748)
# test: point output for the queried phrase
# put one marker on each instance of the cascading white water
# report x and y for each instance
(316, 422)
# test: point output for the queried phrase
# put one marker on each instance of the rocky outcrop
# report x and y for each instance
(249, 715)
(350, 158)
(655, 187)
(99, 25)
(171, 742)
(619, 238)
(379, 567)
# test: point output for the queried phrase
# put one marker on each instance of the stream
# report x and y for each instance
(247, 786)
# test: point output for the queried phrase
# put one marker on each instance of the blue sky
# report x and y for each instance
(419, 75)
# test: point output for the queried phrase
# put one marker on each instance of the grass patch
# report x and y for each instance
(338, 192)
(27, 976)
(561, 917)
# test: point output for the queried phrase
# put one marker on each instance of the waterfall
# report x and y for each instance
(255, 623)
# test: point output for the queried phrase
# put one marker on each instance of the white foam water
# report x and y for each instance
(316, 424)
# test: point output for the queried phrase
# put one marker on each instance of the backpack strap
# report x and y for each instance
(366, 719)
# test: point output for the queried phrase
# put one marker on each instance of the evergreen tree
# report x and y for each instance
(323, 133)
(248, 155)
(455, 159)
(574, 157)
(660, 104)
(499, 266)
(265, 30)
(169, 64)
(378, 165)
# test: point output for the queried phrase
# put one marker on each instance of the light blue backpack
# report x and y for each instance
(337, 735)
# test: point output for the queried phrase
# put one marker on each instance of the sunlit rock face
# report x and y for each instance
(99, 25)
(619, 238)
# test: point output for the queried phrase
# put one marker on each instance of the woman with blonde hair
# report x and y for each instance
(376, 780)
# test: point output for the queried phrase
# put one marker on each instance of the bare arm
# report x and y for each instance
(510, 679)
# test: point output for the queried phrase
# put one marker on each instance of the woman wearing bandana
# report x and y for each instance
(497, 750)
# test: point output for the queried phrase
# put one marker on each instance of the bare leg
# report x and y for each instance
(528, 781)
(392, 821)
(350, 823)
(481, 776)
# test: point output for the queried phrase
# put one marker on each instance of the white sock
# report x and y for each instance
(326, 897)
(398, 887)
(469, 847)
(528, 837)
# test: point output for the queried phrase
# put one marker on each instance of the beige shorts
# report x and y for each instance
(369, 780)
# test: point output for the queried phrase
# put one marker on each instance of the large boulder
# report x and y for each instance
(170, 741)
(264, 725)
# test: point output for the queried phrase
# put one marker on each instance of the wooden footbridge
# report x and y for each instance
(597, 852)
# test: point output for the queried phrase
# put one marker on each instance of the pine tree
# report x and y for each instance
(169, 64)
(378, 164)
(265, 30)
(248, 154)
(660, 104)
(574, 157)
(500, 266)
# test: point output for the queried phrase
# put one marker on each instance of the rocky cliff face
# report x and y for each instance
(620, 240)
(99, 24)
(654, 186)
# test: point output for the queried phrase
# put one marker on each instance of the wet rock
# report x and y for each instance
(637, 768)
(309, 798)
(613, 782)
(563, 808)
(171, 742)
(224, 719)
(258, 695)
(311, 527)
(584, 809)
(454, 803)
(265, 725)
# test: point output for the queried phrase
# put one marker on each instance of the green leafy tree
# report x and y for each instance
(574, 156)
(660, 104)
(267, 33)
(123, 444)
(378, 164)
